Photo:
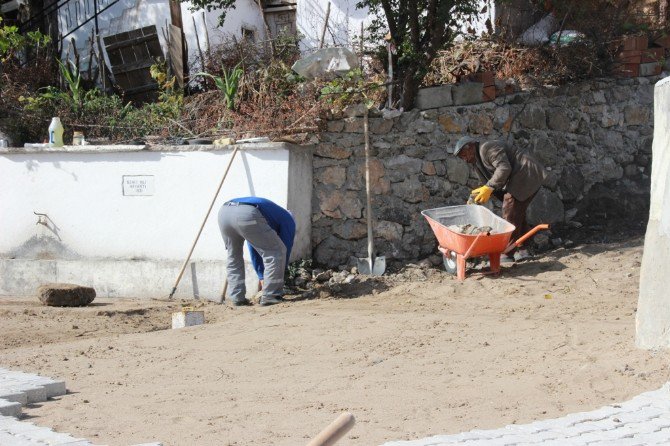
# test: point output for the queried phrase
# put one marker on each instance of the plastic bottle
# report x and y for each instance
(78, 139)
(56, 133)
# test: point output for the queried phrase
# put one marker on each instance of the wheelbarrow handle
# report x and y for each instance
(467, 253)
(525, 237)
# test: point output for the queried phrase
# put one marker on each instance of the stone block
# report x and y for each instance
(187, 318)
(654, 54)
(10, 408)
(334, 175)
(449, 125)
(467, 93)
(533, 117)
(489, 93)
(571, 183)
(380, 126)
(65, 295)
(626, 70)
(434, 97)
(631, 43)
(546, 207)
(353, 125)
(350, 230)
(650, 69)
(328, 150)
(354, 110)
(458, 171)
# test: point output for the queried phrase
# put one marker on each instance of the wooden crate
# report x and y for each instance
(131, 54)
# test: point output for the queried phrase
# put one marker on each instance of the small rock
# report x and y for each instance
(323, 276)
(541, 241)
(435, 260)
(569, 244)
(425, 263)
(350, 278)
(557, 242)
(65, 295)
(570, 214)
(575, 224)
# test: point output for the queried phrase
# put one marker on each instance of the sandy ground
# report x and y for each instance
(413, 355)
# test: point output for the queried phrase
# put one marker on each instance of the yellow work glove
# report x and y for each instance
(482, 194)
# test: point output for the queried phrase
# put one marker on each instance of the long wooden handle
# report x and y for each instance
(204, 220)
(335, 430)
(368, 193)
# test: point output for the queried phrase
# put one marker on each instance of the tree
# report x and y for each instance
(418, 29)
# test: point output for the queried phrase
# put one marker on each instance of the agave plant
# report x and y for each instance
(227, 84)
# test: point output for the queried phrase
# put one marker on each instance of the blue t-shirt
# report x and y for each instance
(279, 219)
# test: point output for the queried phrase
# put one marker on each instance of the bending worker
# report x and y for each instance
(512, 175)
(269, 231)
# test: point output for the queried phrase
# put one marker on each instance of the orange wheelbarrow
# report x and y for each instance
(457, 247)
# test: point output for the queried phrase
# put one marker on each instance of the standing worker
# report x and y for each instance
(512, 175)
(269, 231)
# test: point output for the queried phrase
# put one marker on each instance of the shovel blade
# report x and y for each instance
(376, 269)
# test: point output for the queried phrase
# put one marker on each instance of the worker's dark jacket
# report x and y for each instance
(507, 168)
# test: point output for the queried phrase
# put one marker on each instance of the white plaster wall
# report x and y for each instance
(344, 22)
(127, 15)
(123, 16)
(135, 245)
(91, 218)
(245, 15)
(653, 312)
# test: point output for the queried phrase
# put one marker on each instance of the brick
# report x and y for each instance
(483, 77)
(663, 41)
(650, 69)
(630, 56)
(634, 43)
(652, 55)
(489, 93)
(626, 70)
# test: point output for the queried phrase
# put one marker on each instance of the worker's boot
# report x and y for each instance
(270, 300)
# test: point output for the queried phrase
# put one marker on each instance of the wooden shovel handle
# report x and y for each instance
(335, 430)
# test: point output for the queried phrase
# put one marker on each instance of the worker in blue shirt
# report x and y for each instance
(269, 231)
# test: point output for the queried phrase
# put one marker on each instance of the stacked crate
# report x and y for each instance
(636, 58)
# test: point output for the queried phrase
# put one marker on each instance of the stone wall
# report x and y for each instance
(594, 138)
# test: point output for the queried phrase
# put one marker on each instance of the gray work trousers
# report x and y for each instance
(244, 222)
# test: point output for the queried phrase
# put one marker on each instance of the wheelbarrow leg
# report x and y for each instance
(494, 262)
(460, 267)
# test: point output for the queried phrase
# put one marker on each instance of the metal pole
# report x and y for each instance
(95, 15)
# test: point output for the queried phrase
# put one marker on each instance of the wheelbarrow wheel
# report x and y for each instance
(449, 260)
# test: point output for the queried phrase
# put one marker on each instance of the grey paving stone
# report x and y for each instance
(641, 421)
(9, 439)
(10, 408)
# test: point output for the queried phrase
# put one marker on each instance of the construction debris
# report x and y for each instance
(471, 229)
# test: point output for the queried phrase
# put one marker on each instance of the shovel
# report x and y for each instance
(370, 266)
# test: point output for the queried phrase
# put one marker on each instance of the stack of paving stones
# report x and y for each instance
(18, 389)
(644, 420)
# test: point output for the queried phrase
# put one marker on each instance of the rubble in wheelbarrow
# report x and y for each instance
(471, 229)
